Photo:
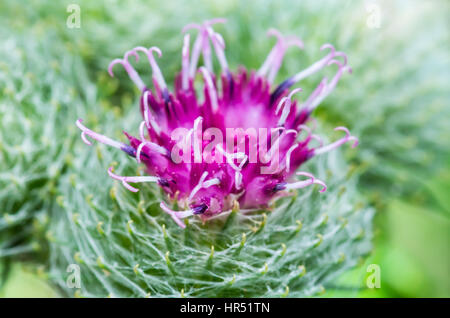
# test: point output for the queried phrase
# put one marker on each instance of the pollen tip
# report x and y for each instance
(279, 187)
(163, 182)
(200, 209)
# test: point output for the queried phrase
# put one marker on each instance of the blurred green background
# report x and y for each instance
(396, 101)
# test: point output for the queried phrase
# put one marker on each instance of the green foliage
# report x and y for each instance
(33, 104)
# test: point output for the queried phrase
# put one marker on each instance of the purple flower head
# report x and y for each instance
(239, 143)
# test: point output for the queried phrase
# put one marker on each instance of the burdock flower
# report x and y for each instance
(181, 140)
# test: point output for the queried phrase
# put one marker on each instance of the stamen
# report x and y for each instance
(275, 57)
(211, 182)
(185, 63)
(343, 55)
(155, 68)
(219, 48)
(200, 209)
(317, 91)
(305, 183)
(136, 179)
(317, 65)
(211, 89)
(199, 44)
(238, 179)
(101, 138)
(327, 87)
(287, 107)
(175, 214)
(288, 157)
(197, 48)
(305, 128)
(231, 156)
(199, 185)
(150, 122)
(141, 130)
(338, 143)
(276, 146)
(206, 50)
(134, 76)
(282, 101)
(319, 139)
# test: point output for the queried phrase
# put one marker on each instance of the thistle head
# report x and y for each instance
(238, 141)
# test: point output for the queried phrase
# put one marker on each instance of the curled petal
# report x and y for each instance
(305, 128)
(185, 63)
(173, 214)
(318, 138)
(135, 179)
(211, 89)
(134, 76)
(338, 143)
(199, 185)
(305, 183)
(142, 130)
(275, 57)
(101, 138)
(230, 157)
(219, 46)
(155, 68)
(238, 179)
(317, 65)
(344, 56)
(288, 157)
(287, 107)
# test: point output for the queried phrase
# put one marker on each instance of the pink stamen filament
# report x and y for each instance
(157, 148)
(185, 63)
(150, 121)
(100, 138)
(287, 107)
(136, 179)
(338, 143)
(327, 87)
(318, 138)
(238, 180)
(196, 54)
(176, 215)
(219, 47)
(305, 183)
(134, 76)
(305, 128)
(199, 44)
(317, 65)
(155, 68)
(276, 146)
(288, 157)
(211, 89)
(202, 184)
(207, 59)
(316, 93)
(231, 156)
(275, 57)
